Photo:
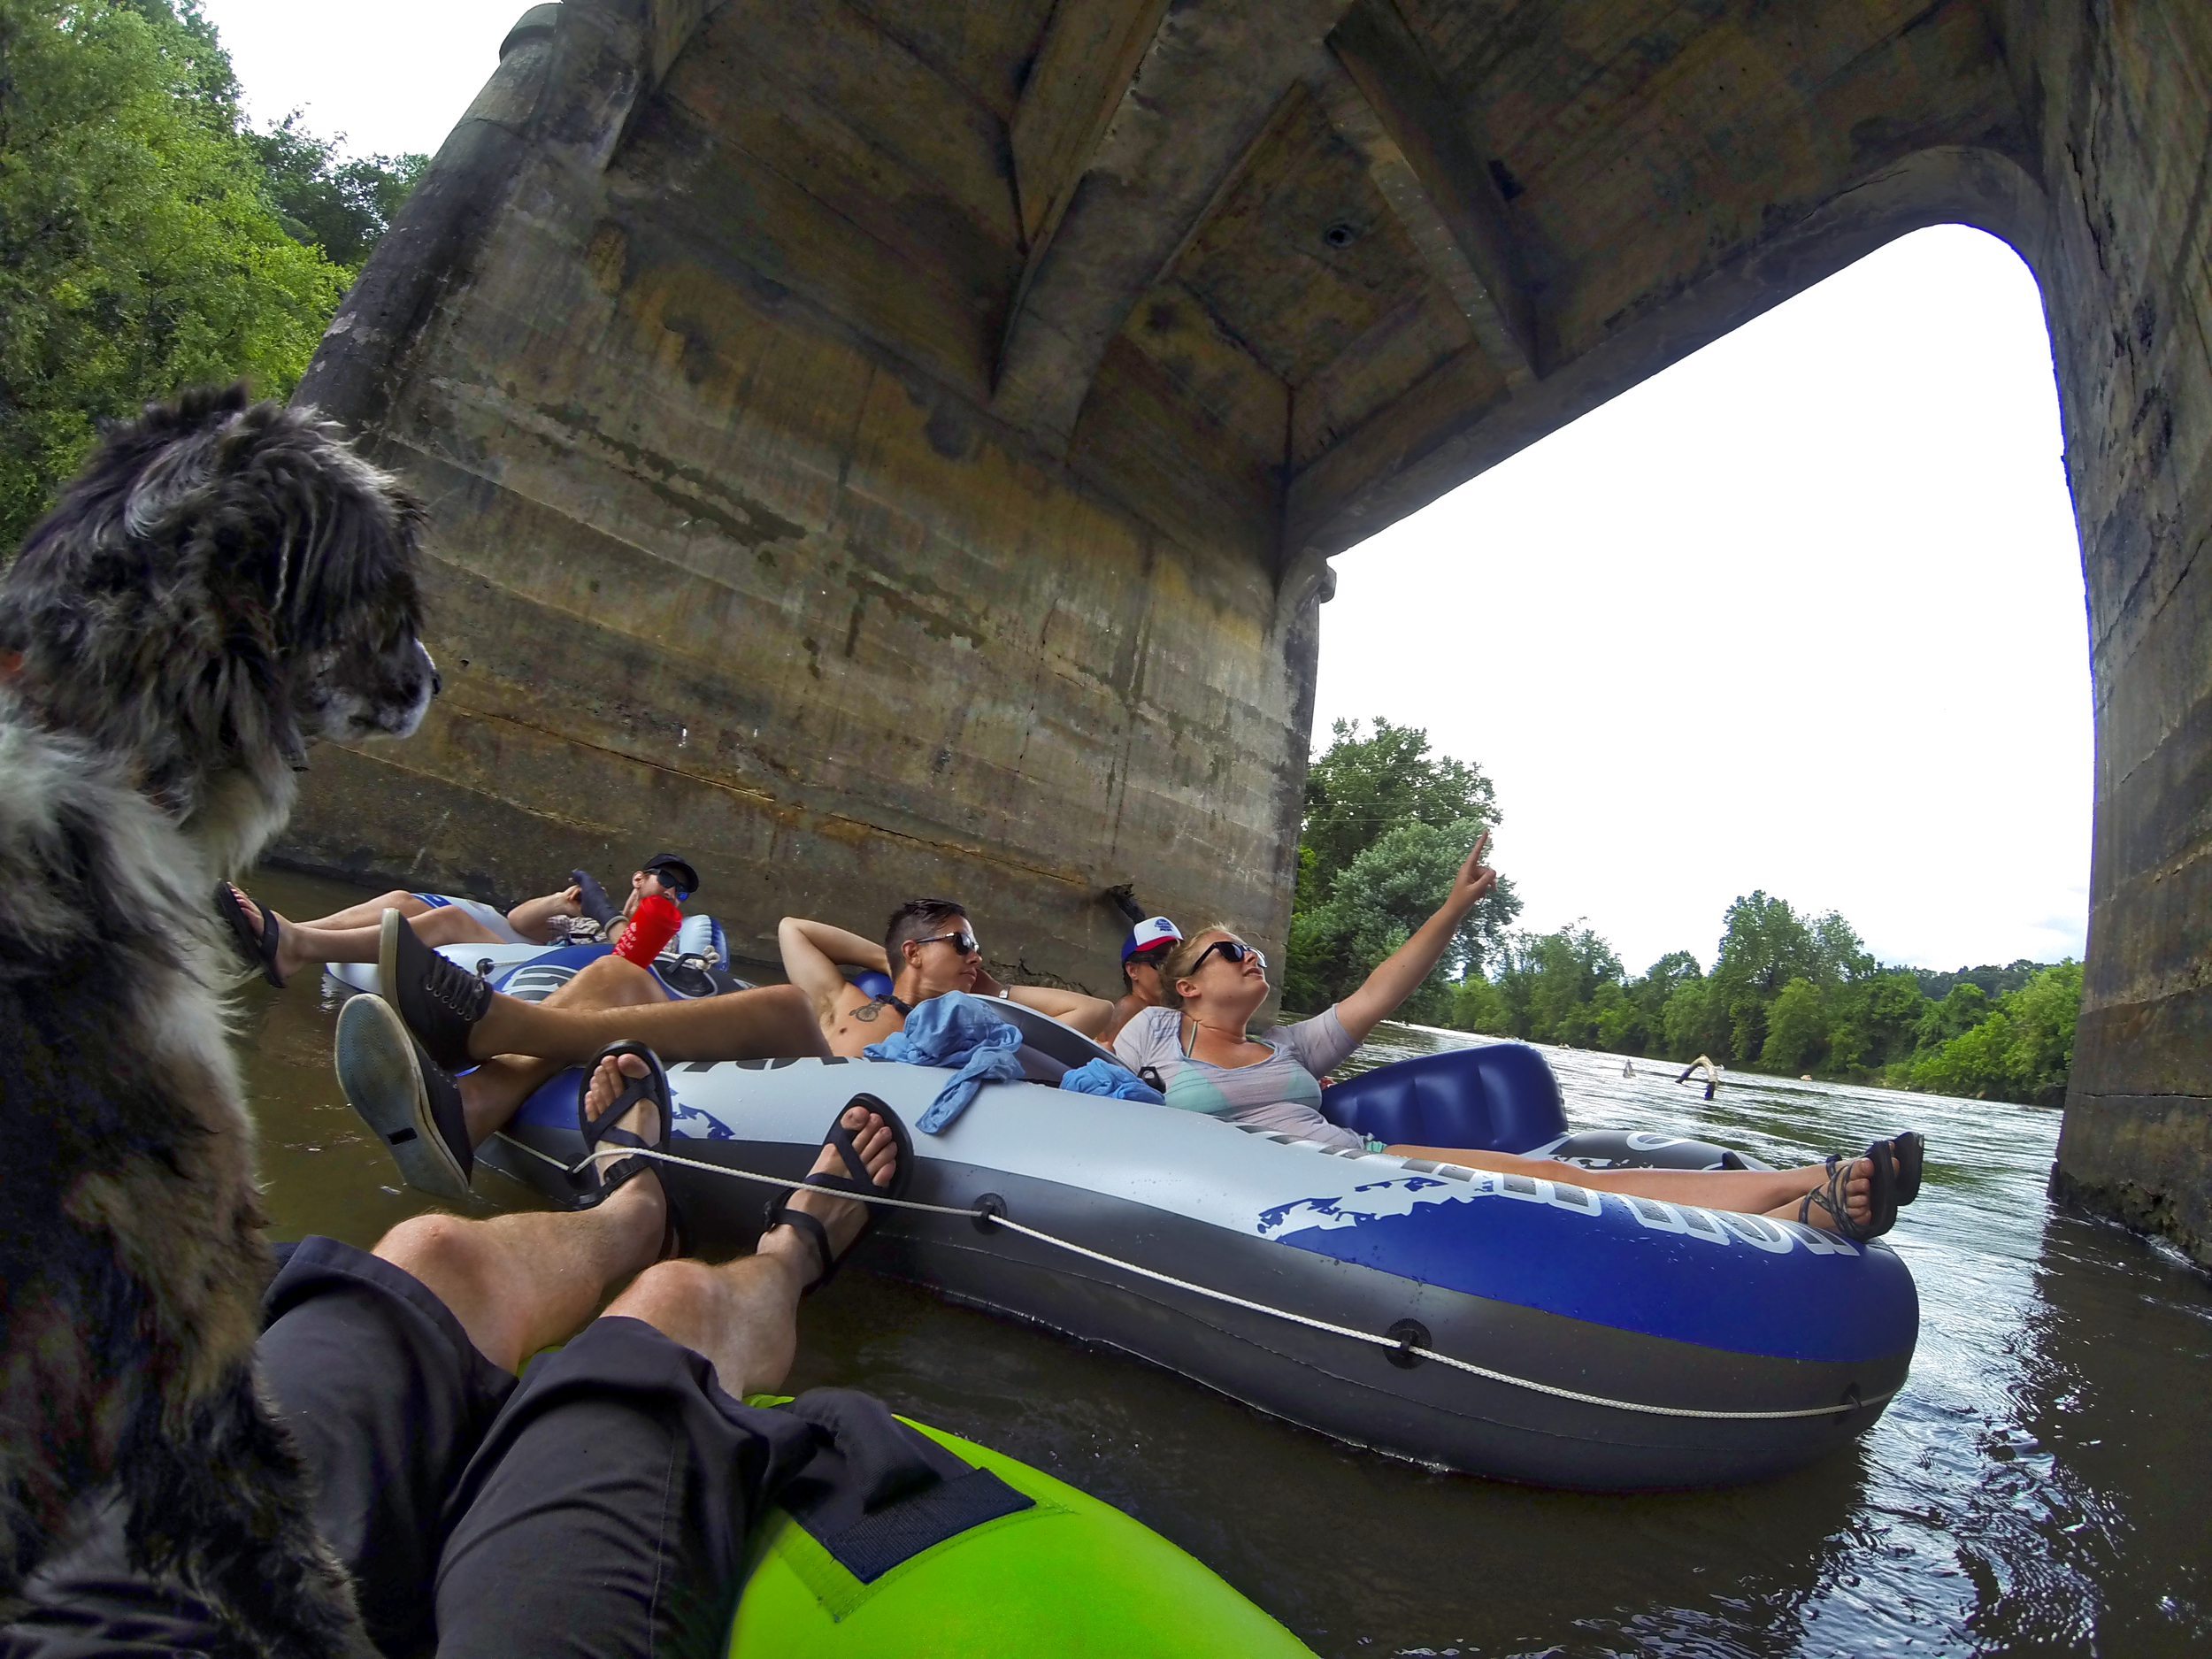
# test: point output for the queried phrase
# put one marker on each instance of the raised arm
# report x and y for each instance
(1397, 973)
(813, 952)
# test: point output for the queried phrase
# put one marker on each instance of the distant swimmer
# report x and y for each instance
(1628, 1068)
(1712, 1074)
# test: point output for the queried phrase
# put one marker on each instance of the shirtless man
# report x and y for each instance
(396, 1059)
(935, 949)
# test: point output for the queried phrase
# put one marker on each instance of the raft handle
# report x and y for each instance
(1411, 1336)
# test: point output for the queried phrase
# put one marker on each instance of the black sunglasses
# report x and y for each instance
(1231, 951)
(963, 942)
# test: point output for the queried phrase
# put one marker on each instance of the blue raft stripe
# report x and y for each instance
(1610, 1269)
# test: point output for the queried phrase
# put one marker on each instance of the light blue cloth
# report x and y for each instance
(955, 1030)
(1116, 1082)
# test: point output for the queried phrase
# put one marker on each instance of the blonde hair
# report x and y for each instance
(1176, 963)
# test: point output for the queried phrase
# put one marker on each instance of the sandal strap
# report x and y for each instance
(810, 1228)
(849, 1149)
(1830, 1196)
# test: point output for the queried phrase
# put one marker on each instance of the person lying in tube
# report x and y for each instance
(649, 915)
(1201, 1045)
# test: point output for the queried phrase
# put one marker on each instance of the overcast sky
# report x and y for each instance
(1802, 613)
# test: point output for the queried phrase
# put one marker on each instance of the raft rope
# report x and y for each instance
(995, 1218)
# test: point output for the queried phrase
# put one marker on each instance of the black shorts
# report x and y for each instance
(598, 1506)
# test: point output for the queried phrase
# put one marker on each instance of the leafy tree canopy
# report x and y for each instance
(342, 207)
(147, 241)
(1387, 827)
(1362, 787)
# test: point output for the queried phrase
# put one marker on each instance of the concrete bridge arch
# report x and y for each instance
(886, 447)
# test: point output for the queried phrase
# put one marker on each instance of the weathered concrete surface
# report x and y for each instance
(2122, 98)
(882, 446)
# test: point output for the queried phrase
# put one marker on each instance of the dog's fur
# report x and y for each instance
(221, 587)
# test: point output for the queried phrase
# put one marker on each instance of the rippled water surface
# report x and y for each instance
(2039, 1487)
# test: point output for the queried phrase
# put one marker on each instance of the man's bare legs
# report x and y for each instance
(520, 1283)
(1776, 1193)
(772, 1022)
(301, 944)
(495, 1090)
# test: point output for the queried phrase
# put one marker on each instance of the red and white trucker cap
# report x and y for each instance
(1150, 935)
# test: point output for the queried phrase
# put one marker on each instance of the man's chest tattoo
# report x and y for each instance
(867, 1013)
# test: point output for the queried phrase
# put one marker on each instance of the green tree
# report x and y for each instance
(1687, 1017)
(1376, 856)
(1874, 1021)
(2020, 1049)
(1954, 1016)
(1360, 787)
(138, 249)
(1797, 1027)
(342, 206)
(1548, 985)
(1477, 1006)
(1376, 902)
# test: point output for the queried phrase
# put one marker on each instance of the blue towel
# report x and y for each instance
(953, 1030)
(1116, 1082)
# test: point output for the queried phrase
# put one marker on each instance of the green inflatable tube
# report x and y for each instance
(1070, 1576)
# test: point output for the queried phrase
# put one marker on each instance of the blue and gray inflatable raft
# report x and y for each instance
(1530, 1329)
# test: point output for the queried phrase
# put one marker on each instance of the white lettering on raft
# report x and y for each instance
(1403, 1195)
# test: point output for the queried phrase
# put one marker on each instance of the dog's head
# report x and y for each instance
(221, 587)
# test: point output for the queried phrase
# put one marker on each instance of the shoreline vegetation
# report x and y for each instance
(1788, 994)
(150, 238)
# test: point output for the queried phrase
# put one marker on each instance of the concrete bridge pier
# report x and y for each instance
(882, 446)
(716, 570)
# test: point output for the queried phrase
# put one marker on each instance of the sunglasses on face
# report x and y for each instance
(1232, 952)
(963, 942)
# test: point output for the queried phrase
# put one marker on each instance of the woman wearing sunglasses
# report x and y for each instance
(1208, 1058)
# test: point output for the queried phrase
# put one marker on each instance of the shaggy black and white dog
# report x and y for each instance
(223, 587)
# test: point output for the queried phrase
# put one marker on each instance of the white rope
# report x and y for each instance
(1354, 1334)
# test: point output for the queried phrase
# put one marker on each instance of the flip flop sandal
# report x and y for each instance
(259, 949)
(600, 1133)
(1911, 1151)
(1881, 1196)
(857, 1185)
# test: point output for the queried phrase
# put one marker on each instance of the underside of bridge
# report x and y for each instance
(882, 447)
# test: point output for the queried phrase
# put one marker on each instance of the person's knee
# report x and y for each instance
(609, 982)
(441, 1250)
(675, 1298)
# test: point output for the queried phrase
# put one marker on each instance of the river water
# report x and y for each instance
(2039, 1487)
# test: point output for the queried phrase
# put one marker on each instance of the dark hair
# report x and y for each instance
(918, 918)
(1151, 958)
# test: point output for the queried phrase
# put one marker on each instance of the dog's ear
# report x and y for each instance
(299, 528)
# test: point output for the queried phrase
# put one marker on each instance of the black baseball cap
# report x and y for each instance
(672, 871)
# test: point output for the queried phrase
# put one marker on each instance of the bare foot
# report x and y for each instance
(643, 1120)
(843, 1217)
(289, 958)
